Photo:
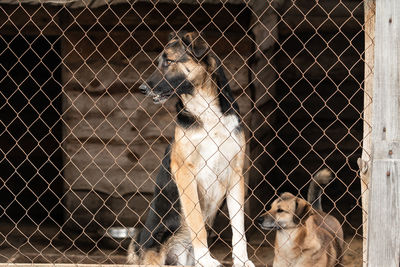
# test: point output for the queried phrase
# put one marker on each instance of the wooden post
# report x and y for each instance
(364, 162)
(384, 205)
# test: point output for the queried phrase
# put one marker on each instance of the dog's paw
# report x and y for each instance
(208, 261)
(238, 263)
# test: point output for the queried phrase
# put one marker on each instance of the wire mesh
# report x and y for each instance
(81, 146)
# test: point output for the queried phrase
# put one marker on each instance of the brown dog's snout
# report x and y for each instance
(268, 222)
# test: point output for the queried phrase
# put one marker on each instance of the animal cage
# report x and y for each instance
(81, 146)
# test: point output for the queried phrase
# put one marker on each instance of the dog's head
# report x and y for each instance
(182, 64)
(287, 211)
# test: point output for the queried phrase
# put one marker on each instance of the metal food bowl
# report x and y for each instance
(118, 236)
(120, 232)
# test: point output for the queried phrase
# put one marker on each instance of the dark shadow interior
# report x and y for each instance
(30, 140)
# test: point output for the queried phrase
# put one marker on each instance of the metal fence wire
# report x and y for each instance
(81, 146)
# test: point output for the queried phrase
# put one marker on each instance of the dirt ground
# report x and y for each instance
(46, 244)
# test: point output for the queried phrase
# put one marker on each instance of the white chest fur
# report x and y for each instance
(285, 255)
(212, 149)
(218, 133)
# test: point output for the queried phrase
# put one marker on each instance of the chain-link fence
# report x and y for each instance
(81, 146)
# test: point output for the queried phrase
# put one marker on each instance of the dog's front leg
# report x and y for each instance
(187, 186)
(235, 203)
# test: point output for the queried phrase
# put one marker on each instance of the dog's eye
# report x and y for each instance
(280, 210)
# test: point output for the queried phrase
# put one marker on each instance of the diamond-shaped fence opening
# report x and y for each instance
(81, 146)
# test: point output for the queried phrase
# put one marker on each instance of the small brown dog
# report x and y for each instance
(306, 236)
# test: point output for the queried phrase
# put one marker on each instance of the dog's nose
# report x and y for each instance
(143, 88)
(260, 220)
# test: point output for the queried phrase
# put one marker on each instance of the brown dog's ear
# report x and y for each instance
(302, 211)
(195, 43)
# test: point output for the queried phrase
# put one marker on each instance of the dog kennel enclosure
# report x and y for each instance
(81, 146)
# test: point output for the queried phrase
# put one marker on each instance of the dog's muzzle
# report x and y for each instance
(158, 98)
(267, 223)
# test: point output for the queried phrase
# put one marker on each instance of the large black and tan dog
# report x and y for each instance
(202, 167)
(306, 236)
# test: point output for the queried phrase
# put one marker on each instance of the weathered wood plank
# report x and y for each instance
(156, 16)
(384, 206)
(32, 20)
(365, 161)
(99, 3)
(97, 75)
(122, 45)
(112, 169)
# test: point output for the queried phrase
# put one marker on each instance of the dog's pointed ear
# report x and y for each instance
(302, 211)
(199, 47)
(196, 44)
(188, 37)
